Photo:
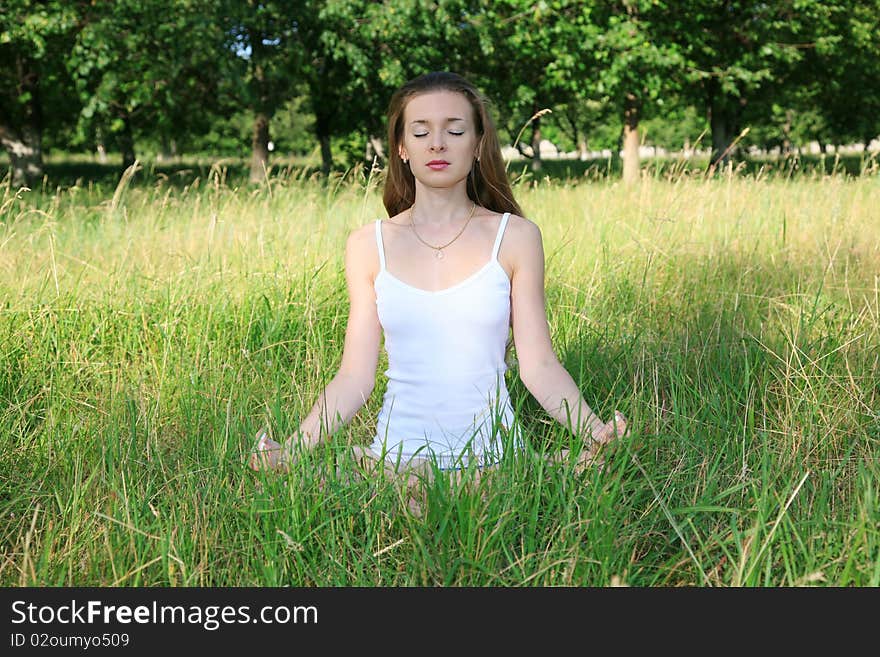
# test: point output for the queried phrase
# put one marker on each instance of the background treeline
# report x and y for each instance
(236, 78)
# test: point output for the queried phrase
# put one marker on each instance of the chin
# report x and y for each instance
(442, 178)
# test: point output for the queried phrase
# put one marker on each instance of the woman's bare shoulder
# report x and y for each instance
(363, 233)
(524, 228)
(521, 247)
(361, 250)
(522, 235)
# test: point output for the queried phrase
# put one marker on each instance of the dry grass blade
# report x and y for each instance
(123, 184)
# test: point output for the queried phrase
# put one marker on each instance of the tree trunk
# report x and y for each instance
(323, 124)
(25, 155)
(169, 149)
(583, 152)
(536, 144)
(631, 114)
(260, 148)
(326, 154)
(720, 138)
(722, 124)
(100, 147)
(24, 143)
(786, 133)
(126, 142)
(263, 107)
(375, 147)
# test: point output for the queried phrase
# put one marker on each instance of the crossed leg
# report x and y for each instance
(414, 474)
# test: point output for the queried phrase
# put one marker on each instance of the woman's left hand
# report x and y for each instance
(616, 428)
(593, 455)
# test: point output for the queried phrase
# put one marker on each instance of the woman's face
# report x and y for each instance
(439, 137)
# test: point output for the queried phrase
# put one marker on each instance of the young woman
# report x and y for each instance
(445, 277)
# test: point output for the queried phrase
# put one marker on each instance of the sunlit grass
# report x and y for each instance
(146, 334)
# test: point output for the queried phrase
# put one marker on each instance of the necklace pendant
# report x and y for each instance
(439, 254)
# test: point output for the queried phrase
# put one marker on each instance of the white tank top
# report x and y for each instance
(446, 397)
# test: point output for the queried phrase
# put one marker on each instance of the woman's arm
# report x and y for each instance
(540, 369)
(353, 383)
(349, 390)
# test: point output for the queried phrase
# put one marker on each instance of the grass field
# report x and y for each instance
(147, 332)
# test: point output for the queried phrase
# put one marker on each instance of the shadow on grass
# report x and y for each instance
(673, 168)
(73, 171)
(745, 380)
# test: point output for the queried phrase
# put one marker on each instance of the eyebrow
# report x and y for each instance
(449, 120)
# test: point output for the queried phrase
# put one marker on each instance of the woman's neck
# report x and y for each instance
(441, 206)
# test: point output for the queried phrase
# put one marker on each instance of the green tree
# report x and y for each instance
(338, 71)
(605, 57)
(636, 68)
(516, 61)
(740, 56)
(265, 39)
(844, 71)
(357, 52)
(33, 37)
(141, 66)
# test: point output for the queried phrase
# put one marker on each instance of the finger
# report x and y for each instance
(606, 434)
(261, 457)
(259, 460)
(621, 424)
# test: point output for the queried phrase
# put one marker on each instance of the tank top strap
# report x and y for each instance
(380, 245)
(501, 228)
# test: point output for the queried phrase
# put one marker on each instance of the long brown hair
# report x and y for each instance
(487, 182)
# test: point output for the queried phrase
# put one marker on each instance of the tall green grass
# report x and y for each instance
(146, 334)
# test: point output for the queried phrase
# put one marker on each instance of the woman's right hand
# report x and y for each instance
(267, 454)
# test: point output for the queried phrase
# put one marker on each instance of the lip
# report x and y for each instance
(438, 164)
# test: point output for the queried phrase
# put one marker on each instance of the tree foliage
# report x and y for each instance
(33, 37)
(141, 66)
(207, 75)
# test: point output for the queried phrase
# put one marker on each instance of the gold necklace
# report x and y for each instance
(438, 250)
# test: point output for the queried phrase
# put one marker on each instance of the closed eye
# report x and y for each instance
(451, 132)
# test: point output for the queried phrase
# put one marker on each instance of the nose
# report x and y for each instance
(438, 141)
